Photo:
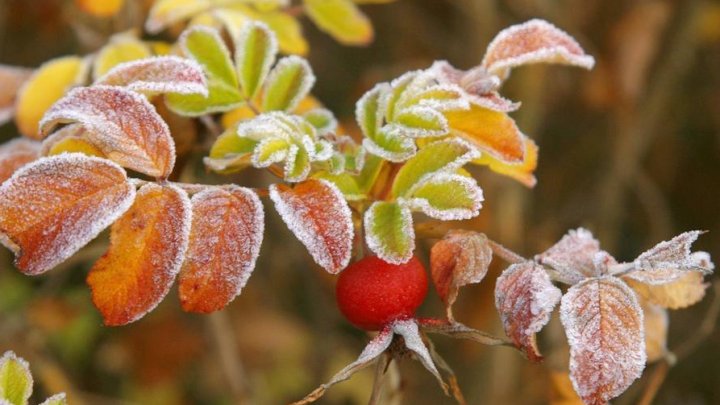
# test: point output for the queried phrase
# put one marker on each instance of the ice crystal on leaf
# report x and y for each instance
(162, 74)
(16, 154)
(389, 231)
(52, 207)
(573, 258)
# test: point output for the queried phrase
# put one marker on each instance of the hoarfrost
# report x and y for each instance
(459, 210)
(573, 258)
(161, 74)
(376, 236)
(408, 329)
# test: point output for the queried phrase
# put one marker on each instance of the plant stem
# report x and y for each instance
(380, 368)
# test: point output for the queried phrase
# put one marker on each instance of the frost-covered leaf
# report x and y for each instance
(459, 331)
(57, 399)
(604, 325)
(573, 258)
(255, 52)
(161, 74)
(535, 41)
(16, 154)
(380, 140)
(206, 47)
(47, 85)
(12, 79)
(374, 349)
(369, 110)
(147, 248)
(458, 259)
(122, 48)
(656, 328)
(420, 122)
(478, 86)
(668, 261)
(446, 197)
(408, 329)
(322, 119)
(69, 139)
(341, 19)
(225, 238)
(52, 207)
(439, 97)
(230, 152)
(318, 215)
(390, 145)
(522, 172)
(289, 82)
(121, 123)
(442, 156)
(389, 231)
(288, 30)
(492, 132)
(16, 382)
(525, 297)
(686, 290)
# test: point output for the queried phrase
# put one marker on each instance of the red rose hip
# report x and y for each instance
(372, 292)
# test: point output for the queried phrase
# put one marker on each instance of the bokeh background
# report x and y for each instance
(630, 150)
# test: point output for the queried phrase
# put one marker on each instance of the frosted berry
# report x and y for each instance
(372, 292)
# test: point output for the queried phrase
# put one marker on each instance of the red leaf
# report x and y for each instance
(147, 248)
(52, 207)
(121, 123)
(525, 297)
(604, 325)
(225, 237)
(577, 256)
(318, 215)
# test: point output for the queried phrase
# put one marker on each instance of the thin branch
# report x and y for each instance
(380, 371)
(505, 253)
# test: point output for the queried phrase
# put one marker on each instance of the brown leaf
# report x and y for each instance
(604, 325)
(460, 258)
(54, 206)
(668, 261)
(656, 329)
(147, 248)
(687, 290)
(121, 123)
(535, 41)
(225, 237)
(575, 257)
(317, 213)
(16, 154)
(525, 297)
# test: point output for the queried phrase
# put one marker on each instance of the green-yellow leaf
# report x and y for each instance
(341, 19)
(370, 171)
(447, 155)
(208, 49)
(166, 12)
(288, 31)
(389, 231)
(421, 122)
(297, 165)
(230, 152)
(447, 197)
(255, 53)
(57, 399)
(288, 83)
(269, 151)
(344, 182)
(16, 383)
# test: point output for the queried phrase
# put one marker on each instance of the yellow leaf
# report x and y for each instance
(122, 48)
(166, 12)
(50, 82)
(288, 31)
(341, 19)
(69, 145)
(522, 172)
(104, 8)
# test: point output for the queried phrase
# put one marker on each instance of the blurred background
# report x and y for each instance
(630, 150)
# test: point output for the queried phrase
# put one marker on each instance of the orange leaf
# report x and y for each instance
(52, 207)
(522, 172)
(104, 8)
(525, 298)
(227, 230)
(318, 215)
(121, 123)
(492, 131)
(147, 247)
(686, 290)
(16, 154)
(11, 79)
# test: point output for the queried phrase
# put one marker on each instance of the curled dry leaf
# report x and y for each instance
(668, 261)
(535, 41)
(52, 207)
(225, 238)
(16, 154)
(525, 297)
(147, 248)
(604, 325)
(318, 215)
(121, 123)
(162, 74)
(686, 290)
(574, 257)
(460, 258)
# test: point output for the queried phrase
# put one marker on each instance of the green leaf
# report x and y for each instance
(230, 152)
(390, 144)
(322, 119)
(288, 83)
(297, 164)
(255, 53)
(370, 171)
(446, 197)
(369, 111)
(447, 155)
(420, 122)
(440, 97)
(57, 399)
(389, 231)
(344, 182)
(341, 19)
(269, 151)
(398, 88)
(205, 46)
(16, 383)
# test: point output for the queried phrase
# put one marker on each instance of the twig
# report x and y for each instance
(224, 338)
(380, 370)
(505, 253)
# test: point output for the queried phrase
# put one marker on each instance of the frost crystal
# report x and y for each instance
(408, 329)
(446, 197)
(575, 257)
(161, 74)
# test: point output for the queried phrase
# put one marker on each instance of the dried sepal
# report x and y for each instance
(604, 325)
(684, 291)
(147, 248)
(52, 207)
(408, 329)
(374, 349)
(668, 261)
(318, 215)
(255, 52)
(460, 258)
(525, 297)
(16, 382)
(478, 86)
(121, 123)
(573, 258)
(16, 154)
(225, 238)
(341, 19)
(161, 74)
(287, 84)
(535, 41)
(446, 197)
(389, 231)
